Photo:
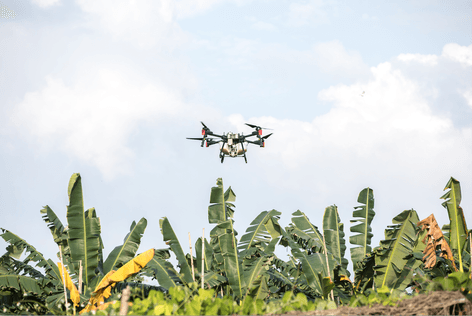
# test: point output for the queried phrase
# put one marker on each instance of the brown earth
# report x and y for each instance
(434, 303)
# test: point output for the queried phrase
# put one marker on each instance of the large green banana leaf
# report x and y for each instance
(223, 235)
(458, 227)
(84, 232)
(333, 231)
(20, 283)
(9, 265)
(163, 270)
(171, 239)
(50, 268)
(305, 233)
(263, 228)
(415, 260)
(228, 246)
(208, 255)
(364, 272)
(314, 266)
(365, 214)
(127, 251)
(392, 255)
(54, 224)
(253, 271)
(220, 209)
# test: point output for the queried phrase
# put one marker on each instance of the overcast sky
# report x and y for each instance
(359, 94)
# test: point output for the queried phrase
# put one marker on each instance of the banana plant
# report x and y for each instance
(333, 231)
(315, 267)
(83, 233)
(305, 233)
(365, 214)
(457, 228)
(223, 235)
(264, 228)
(392, 255)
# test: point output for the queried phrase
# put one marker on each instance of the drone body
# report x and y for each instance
(231, 144)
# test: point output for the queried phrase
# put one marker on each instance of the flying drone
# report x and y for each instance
(232, 145)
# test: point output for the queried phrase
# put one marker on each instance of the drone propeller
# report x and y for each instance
(257, 127)
(267, 136)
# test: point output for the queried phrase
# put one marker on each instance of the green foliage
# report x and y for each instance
(457, 228)
(365, 214)
(245, 276)
(391, 258)
(190, 300)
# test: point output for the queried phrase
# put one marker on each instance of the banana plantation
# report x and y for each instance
(228, 274)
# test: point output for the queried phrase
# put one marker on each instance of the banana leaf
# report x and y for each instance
(208, 255)
(54, 224)
(435, 243)
(228, 245)
(162, 270)
(263, 228)
(458, 227)
(333, 231)
(103, 289)
(392, 255)
(33, 255)
(314, 266)
(364, 272)
(305, 233)
(84, 232)
(365, 214)
(414, 261)
(9, 265)
(124, 253)
(171, 239)
(220, 209)
(214, 279)
(20, 283)
(74, 293)
(253, 271)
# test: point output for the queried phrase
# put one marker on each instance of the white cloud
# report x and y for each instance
(425, 59)
(94, 119)
(456, 52)
(390, 133)
(46, 3)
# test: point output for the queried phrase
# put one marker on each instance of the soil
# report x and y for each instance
(434, 303)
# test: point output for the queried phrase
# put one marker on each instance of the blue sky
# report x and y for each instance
(111, 89)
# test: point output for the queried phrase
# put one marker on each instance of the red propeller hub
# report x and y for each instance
(203, 131)
(260, 132)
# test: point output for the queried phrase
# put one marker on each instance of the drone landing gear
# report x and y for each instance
(222, 158)
(244, 152)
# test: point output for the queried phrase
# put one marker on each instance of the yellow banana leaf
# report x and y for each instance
(74, 293)
(103, 289)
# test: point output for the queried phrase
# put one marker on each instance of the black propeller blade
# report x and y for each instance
(267, 136)
(257, 127)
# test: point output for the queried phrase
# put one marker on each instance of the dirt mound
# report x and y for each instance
(434, 303)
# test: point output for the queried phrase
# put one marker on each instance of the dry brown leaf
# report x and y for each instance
(433, 240)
